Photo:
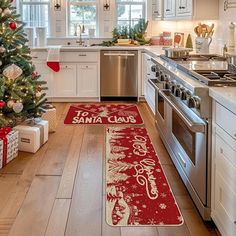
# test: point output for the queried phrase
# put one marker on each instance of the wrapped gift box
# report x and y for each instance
(8, 146)
(51, 116)
(32, 135)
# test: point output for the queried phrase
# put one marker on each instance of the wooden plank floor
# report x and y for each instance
(60, 190)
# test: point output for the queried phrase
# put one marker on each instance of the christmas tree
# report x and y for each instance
(21, 95)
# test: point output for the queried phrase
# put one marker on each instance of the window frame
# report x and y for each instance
(48, 3)
(87, 3)
(130, 2)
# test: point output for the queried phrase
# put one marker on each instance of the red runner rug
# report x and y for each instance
(103, 114)
(137, 192)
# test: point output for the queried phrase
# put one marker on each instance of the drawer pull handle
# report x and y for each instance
(82, 55)
(221, 150)
(35, 57)
(182, 160)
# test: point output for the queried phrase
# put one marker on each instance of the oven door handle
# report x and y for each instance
(196, 127)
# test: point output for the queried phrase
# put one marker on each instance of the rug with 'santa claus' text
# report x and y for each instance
(137, 192)
(103, 114)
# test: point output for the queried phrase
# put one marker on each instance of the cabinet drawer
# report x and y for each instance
(79, 56)
(226, 119)
(226, 158)
(225, 206)
(39, 56)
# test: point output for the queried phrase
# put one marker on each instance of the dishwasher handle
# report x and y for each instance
(119, 54)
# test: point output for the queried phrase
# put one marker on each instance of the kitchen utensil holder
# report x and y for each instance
(228, 5)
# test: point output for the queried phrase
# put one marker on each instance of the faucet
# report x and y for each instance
(81, 30)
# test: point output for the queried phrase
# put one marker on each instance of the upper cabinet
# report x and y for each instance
(186, 9)
(169, 8)
(157, 9)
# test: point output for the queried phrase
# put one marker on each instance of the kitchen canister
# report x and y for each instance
(41, 36)
(29, 31)
(203, 44)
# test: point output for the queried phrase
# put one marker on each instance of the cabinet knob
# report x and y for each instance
(167, 9)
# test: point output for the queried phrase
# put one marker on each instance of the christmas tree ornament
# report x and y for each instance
(7, 11)
(19, 46)
(38, 94)
(12, 25)
(17, 107)
(34, 74)
(12, 72)
(2, 49)
(10, 103)
(2, 103)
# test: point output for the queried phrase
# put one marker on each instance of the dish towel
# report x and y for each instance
(53, 59)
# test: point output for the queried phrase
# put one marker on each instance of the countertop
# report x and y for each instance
(225, 96)
(153, 50)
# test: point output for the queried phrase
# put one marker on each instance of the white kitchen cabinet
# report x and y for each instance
(45, 75)
(191, 9)
(157, 9)
(64, 81)
(87, 80)
(224, 170)
(169, 8)
(184, 8)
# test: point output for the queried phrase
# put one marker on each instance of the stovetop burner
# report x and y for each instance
(217, 78)
(196, 57)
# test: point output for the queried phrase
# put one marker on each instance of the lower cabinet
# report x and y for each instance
(64, 81)
(87, 80)
(45, 75)
(224, 170)
(78, 78)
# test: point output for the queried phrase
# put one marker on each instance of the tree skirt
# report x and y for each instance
(103, 114)
(137, 192)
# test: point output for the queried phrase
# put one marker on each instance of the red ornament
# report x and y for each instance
(34, 74)
(13, 25)
(2, 103)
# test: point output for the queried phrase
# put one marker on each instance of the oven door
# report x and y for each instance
(188, 141)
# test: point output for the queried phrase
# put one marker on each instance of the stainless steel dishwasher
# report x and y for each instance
(119, 74)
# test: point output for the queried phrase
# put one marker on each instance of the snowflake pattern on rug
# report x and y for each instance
(103, 114)
(137, 192)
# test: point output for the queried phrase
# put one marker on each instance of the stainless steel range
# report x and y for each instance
(183, 117)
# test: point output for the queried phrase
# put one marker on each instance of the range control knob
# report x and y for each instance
(194, 102)
(178, 90)
(162, 77)
(173, 86)
(154, 68)
(183, 95)
(167, 85)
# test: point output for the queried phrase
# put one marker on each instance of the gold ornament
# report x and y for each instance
(10, 103)
(12, 72)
